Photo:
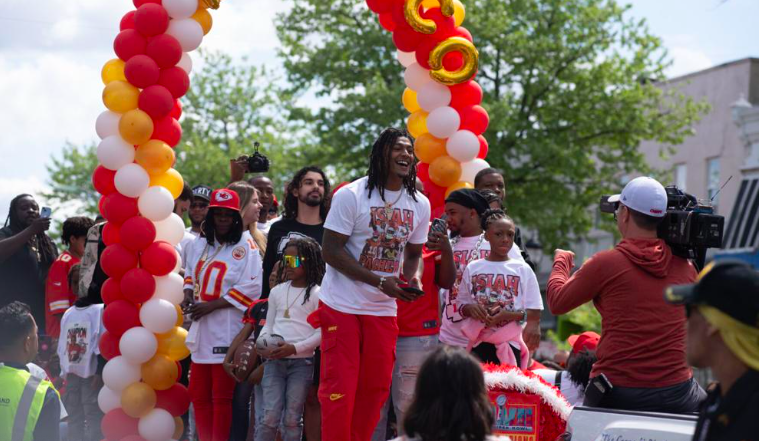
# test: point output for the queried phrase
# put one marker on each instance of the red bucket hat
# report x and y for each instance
(225, 198)
(588, 340)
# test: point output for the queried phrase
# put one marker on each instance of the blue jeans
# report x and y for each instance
(410, 353)
(285, 385)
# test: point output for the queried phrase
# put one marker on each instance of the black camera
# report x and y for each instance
(690, 226)
(257, 162)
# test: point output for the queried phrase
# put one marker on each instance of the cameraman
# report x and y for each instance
(642, 351)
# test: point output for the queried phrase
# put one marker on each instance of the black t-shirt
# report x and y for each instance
(280, 233)
(731, 417)
(22, 278)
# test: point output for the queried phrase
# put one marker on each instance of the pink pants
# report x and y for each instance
(477, 332)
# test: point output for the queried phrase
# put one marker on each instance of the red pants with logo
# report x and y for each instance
(211, 392)
(358, 352)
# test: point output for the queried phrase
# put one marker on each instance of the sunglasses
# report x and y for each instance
(292, 261)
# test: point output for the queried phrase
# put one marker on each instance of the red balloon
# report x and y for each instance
(156, 101)
(138, 232)
(100, 204)
(102, 180)
(151, 19)
(444, 25)
(176, 80)
(134, 438)
(177, 110)
(164, 49)
(453, 61)
(483, 147)
(141, 71)
(117, 208)
(380, 6)
(397, 12)
(117, 425)
(116, 260)
(422, 54)
(109, 345)
(386, 21)
(466, 94)
(139, 3)
(128, 21)
(138, 285)
(159, 258)
(474, 119)
(168, 130)
(111, 291)
(422, 171)
(111, 233)
(129, 43)
(436, 194)
(462, 32)
(175, 400)
(406, 39)
(119, 317)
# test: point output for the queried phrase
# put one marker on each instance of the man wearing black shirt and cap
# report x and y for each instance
(722, 311)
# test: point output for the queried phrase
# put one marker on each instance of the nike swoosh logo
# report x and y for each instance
(336, 397)
(57, 283)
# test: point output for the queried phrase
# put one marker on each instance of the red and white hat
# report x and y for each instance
(225, 198)
(645, 195)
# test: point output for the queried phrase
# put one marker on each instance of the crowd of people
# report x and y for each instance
(346, 314)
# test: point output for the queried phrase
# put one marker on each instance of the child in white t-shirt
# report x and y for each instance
(289, 369)
(496, 292)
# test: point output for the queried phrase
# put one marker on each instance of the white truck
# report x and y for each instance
(598, 424)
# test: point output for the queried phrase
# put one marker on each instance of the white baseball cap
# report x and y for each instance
(645, 195)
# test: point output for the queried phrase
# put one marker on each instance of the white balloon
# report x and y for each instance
(156, 203)
(157, 425)
(169, 288)
(108, 400)
(470, 169)
(114, 153)
(463, 146)
(186, 63)
(188, 32)
(178, 266)
(416, 76)
(107, 124)
(158, 315)
(131, 180)
(120, 373)
(180, 8)
(443, 122)
(433, 95)
(138, 345)
(171, 229)
(406, 58)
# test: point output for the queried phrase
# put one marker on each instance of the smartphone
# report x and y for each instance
(45, 212)
(439, 225)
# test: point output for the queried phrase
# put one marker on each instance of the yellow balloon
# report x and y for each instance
(468, 69)
(409, 98)
(113, 70)
(179, 427)
(417, 123)
(180, 317)
(457, 186)
(203, 17)
(445, 171)
(427, 147)
(172, 344)
(160, 372)
(138, 399)
(120, 96)
(171, 180)
(459, 13)
(155, 156)
(136, 127)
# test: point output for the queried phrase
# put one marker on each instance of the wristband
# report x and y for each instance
(380, 284)
(524, 317)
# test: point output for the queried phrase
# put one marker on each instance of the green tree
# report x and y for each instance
(571, 87)
(70, 177)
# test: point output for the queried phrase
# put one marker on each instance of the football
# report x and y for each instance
(266, 343)
(245, 359)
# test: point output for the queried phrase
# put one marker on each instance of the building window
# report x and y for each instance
(679, 176)
(713, 178)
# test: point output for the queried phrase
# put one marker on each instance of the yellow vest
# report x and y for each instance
(21, 398)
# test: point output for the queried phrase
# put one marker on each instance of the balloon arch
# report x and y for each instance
(144, 340)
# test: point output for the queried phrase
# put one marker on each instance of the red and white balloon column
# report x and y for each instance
(144, 340)
(442, 97)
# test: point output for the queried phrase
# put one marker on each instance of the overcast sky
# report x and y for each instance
(51, 52)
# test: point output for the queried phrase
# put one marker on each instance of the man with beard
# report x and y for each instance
(198, 208)
(266, 199)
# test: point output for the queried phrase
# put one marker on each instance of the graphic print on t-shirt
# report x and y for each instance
(77, 339)
(461, 259)
(383, 250)
(492, 290)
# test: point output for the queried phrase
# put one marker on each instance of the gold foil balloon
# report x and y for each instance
(120, 96)
(138, 399)
(135, 127)
(113, 70)
(445, 171)
(424, 25)
(160, 372)
(457, 186)
(417, 123)
(172, 344)
(427, 148)
(171, 180)
(409, 98)
(468, 69)
(156, 157)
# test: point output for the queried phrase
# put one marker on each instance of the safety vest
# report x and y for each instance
(21, 398)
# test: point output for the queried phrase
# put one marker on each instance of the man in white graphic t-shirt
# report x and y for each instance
(373, 241)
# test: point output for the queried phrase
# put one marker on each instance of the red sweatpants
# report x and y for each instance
(358, 352)
(211, 392)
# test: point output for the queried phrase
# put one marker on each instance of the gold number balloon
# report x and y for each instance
(468, 69)
(424, 25)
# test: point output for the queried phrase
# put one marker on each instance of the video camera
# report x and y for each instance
(257, 162)
(690, 226)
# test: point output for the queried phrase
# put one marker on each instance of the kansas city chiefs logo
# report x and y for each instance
(222, 196)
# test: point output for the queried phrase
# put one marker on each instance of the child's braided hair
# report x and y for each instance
(491, 215)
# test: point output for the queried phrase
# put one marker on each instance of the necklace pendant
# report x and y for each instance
(287, 313)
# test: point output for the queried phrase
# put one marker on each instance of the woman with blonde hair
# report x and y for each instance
(250, 209)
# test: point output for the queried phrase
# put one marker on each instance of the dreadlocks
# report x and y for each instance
(45, 246)
(491, 215)
(379, 160)
(232, 237)
(291, 202)
(311, 258)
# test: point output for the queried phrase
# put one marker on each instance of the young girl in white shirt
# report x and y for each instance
(289, 369)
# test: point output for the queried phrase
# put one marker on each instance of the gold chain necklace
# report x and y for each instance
(287, 299)
(389, 206)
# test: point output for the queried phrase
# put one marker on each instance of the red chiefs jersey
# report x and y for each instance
(422, 317)
(58, 295)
